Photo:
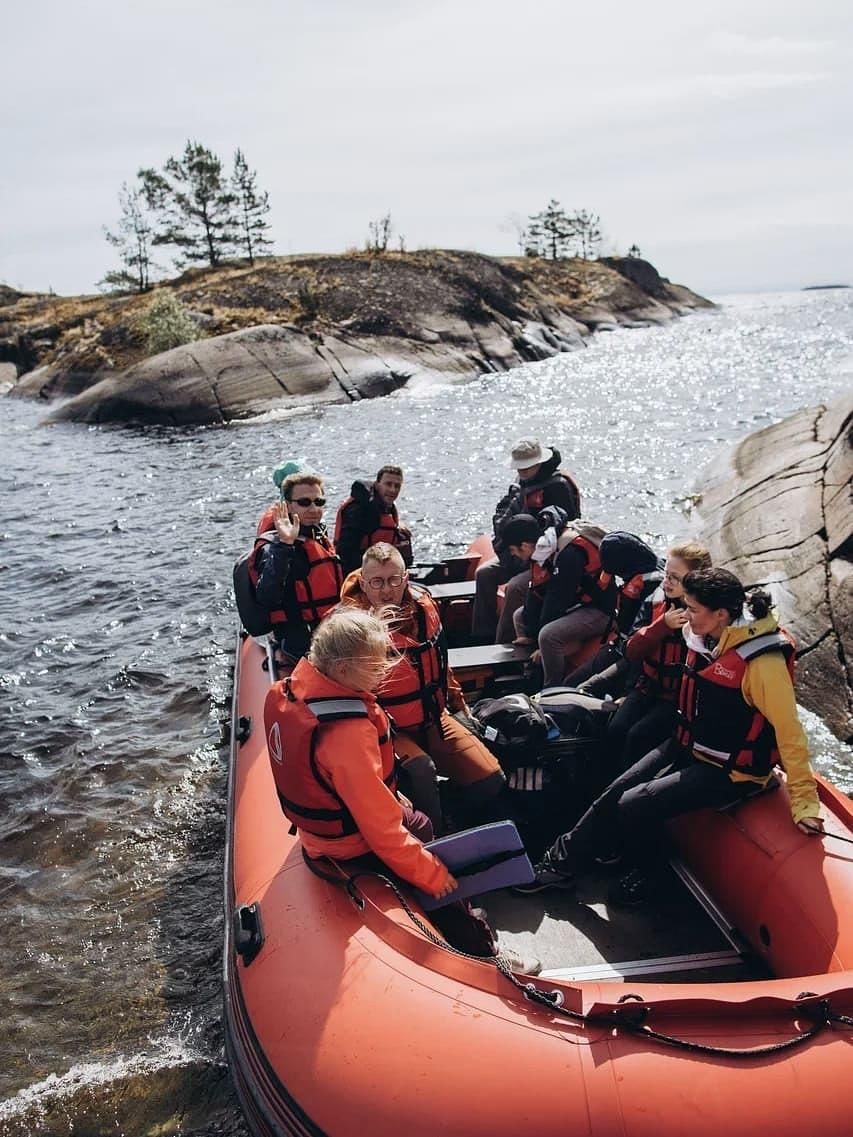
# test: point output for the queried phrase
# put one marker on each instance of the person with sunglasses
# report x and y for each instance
(421, 695)
(297, 573)
(369, 515)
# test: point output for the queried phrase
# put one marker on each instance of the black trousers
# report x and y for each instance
(665, 783)
(640, 724)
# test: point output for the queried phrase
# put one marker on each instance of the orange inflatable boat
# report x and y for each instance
(343, 1018)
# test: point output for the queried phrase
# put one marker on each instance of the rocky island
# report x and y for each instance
(292, 332)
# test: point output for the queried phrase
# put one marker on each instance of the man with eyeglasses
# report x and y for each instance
(296, 571)
(369, 515)
(421, 695)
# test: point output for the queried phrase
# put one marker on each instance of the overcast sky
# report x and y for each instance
(715, 136)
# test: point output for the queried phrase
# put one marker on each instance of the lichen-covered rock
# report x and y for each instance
(779, 512)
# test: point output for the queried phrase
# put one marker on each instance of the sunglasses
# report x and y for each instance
(304, 502)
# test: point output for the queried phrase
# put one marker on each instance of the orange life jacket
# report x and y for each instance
(293, 725)
(714, 719)
(316, 574)
(662, 671)
(414, 691)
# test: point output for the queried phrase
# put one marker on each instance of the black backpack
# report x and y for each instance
(513, 727)
(254, 618)
(578, 715)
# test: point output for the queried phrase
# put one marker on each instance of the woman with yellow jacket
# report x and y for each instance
(737, 717)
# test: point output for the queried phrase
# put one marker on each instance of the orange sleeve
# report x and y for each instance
(348, 754)
(455, 695)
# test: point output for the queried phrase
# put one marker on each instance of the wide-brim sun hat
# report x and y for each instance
(528, 452)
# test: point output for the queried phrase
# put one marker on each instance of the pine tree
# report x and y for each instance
(194, 204)
(549, 232)
(252, 208)
(586, 229)
(133, 238)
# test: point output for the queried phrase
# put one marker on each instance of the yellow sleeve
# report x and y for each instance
(348, 754)
(767, 686)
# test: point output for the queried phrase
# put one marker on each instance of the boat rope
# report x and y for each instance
(633, 1013)
(823, 833)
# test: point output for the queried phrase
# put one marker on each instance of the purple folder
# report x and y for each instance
(481, 859)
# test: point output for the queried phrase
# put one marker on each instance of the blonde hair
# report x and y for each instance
(382, 552)
(694, 554)
(348, 633)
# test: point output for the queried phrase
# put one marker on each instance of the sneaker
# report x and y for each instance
(631, 891)
(524, 964)
(547, 876)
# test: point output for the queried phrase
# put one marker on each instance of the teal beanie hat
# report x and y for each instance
(285, 470)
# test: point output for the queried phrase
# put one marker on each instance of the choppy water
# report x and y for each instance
(116, 645)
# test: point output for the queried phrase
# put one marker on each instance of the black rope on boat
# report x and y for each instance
(633, 1013)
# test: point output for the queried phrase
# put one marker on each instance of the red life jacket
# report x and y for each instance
(630, 596)
(387, 525)
(316, 574)
(716, 722)
(533, 497)
(267, 521)
(414, 692)
(662, 671)
(293, 726)
(596, 588)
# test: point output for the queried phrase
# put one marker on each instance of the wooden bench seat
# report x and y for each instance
(446, 593)
(475, 666)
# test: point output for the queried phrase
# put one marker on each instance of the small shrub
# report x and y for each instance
(309, 301)
(166, 323)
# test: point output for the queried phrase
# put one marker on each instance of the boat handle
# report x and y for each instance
(248, 932)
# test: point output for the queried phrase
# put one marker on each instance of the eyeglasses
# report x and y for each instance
(377, 582)
(673, 577)
(306, 501)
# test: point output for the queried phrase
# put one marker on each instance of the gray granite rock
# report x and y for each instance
(778, 511)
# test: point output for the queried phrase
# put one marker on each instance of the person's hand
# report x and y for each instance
(811, 825)
(536, 656)
(286, 523)
(446, 889)
(675, 618)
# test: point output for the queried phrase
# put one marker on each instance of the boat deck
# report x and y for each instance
(578, 935)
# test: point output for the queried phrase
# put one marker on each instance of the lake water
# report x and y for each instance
(117, 639)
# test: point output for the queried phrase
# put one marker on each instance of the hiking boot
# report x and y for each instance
(548, 875)
(524, 964)
(631, 891)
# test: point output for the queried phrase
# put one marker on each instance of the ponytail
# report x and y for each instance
(759, 602)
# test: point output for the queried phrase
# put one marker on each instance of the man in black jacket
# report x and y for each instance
(540, 483)
(368, 516)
